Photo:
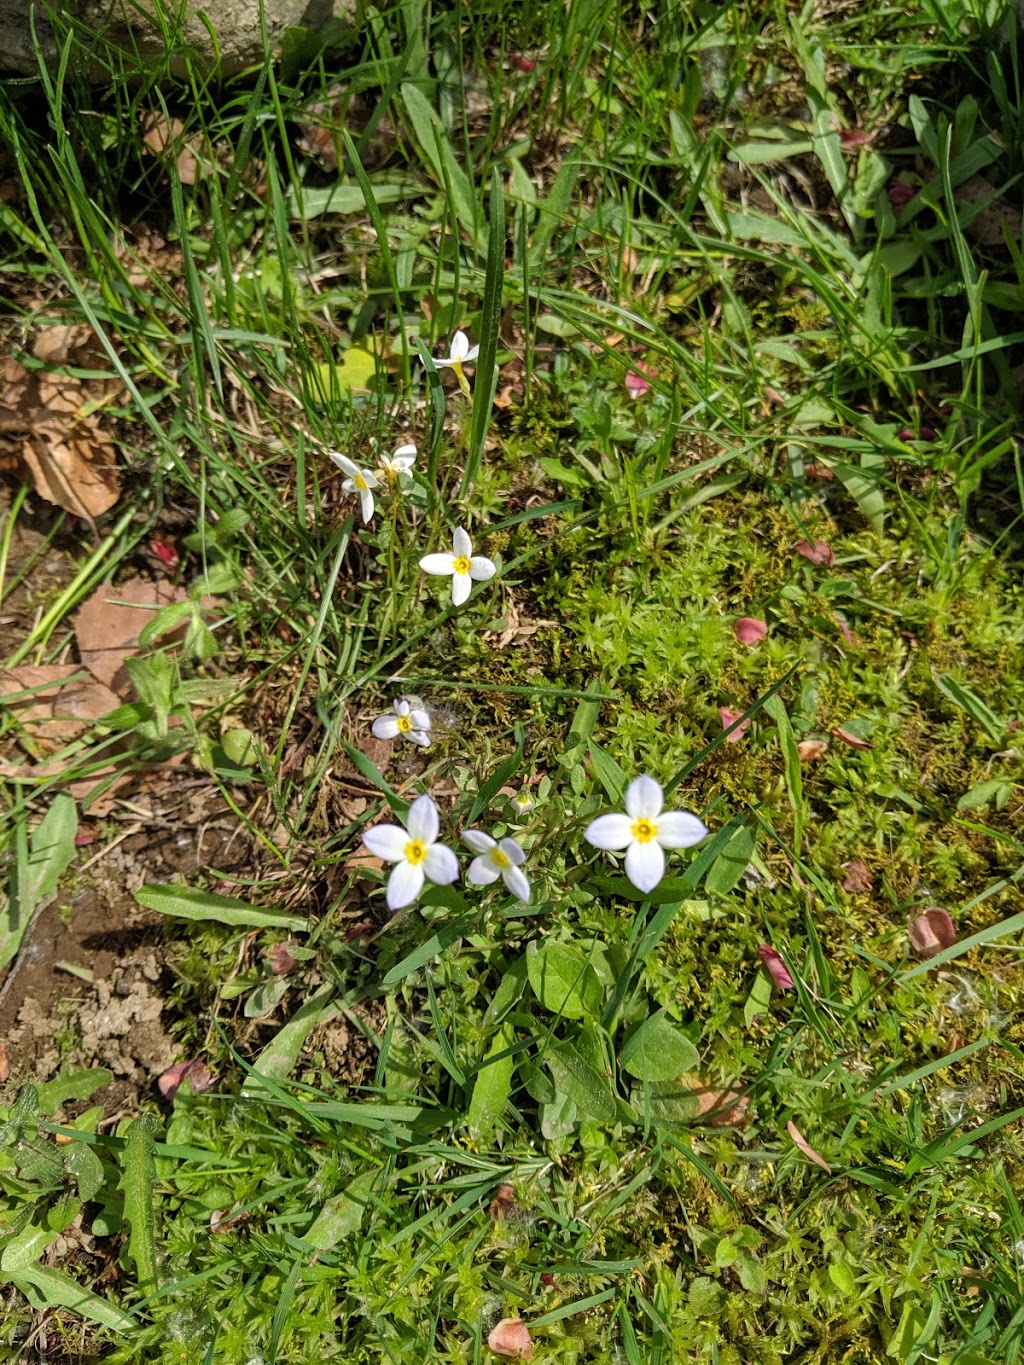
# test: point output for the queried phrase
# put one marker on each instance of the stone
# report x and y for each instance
(131, 25)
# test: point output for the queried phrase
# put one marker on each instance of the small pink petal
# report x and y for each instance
(511, 1338)
(777, 969)
(222, 1219)
(900, 195)
(280, 960)
(638, 381)
(359, 930)
(805, 1147)
(810, 749)
(5, 1063)
(817, 551)
(198, 1075)
(729, 718)
(547, 1279)
(848, 737)
(749, 630)
(86, 835)
(847, 632)
(931, 932)
(851, 138)
(523, 63)
(166, 551)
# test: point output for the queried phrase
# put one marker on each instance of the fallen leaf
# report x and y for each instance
(503, 399)
(503, 1205)
(776, 967)
(58, 710)
(5, 1063)
(108, 624)
(931, 931)
(858, 878)
(192, 152)
(729, 718)
(511, 1338)
(810, 749)
(996, 214)
(848, 737)
(197, 1073)
(805, 1147)
(280, 960)
(725, 1108)
(223, 1219)
(818, 552)
(749, 630)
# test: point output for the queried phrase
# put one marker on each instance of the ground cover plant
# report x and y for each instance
(527, 498)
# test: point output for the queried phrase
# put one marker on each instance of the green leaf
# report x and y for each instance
(431, 948)
(344, 199)
(187, 902)
(865, 487)
(997, 789)
(967, 700)
(759, 1001)
(40, 862)
(730, 865)
(138, 1180)
(25, 1248)
(495, 782)
(657, 1051)
(794, 774)
(343, 1215)
(579, 1082)
(509, 992)
(279, 1056)
(46, 1288)
(493, 1085)
(562, 979)
(842, 1277)
(558, 1118)
(430, 134)
(552, 211)
(486, 378)
(86, 1169)
(609, 774)
(71, 1085)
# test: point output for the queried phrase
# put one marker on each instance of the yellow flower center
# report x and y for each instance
(415, 851)
(500, 859)
(404, 724)
(360, 483)
(644, 831)
(461, 564)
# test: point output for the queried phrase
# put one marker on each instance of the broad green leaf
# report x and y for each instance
(73, 1085)
(355, 370)
(574, 1078)
(865, 487)
(189, 902)
(558, 1118)
(85, 1167)
(40, 861)
(996, 789)
(609, 774)
(551, 213)
(25, 1248)
(138, 1181)
(430, 135)
(759, 1001)
(509, 992)
(731, 863)
(279, 1056)
(563, 980)
(46, 1288)
(343, 1215)
(493, 1085)
(431, 948)
(344, 199)
(843, 1278)
(967, 700)
(657, 1051)
(665, 1101)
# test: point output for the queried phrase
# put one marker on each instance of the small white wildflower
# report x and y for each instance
(523, 802)
(463, 565)
(359, 481)
(408, 720)
(645, 831)
(400, 463)
(415, 851)
(461, 353)
(498, 858)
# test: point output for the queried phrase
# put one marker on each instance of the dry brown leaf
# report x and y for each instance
(193, 154)
(511, 1337)
(810, 749)
(986, 227)
(848, 737)
(108, 624)
(725, 1108)
(805, 1147)
(858, 878)
(60, 711)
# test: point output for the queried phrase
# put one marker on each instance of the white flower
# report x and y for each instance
(463, 565)
(644, 831)
(523, 802)
(415, 851)
(461, 354)
(359, 481)
(502, 859)
(400, 463)
(408, 720)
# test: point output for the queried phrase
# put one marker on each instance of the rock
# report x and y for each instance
(125, 24)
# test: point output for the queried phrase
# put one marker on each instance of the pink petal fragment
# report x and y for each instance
(166, 551)
(817, 551)
(749, 630)
(805, 1147)
(222, 1219)
(852, 138)
(638, 381)
(197, 1073)
(810, 749)
(848, 737)
(899, 194)
(730, 717)
(931, 932)
(511, 1338)
(280, 960)
(858, 878)
(726, 1108)
(777, 969)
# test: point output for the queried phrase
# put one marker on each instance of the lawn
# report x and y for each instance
(433, 460)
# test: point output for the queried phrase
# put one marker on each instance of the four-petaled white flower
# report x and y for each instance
(645, 831)
(498, 858)
(359, 481)
(400, 463)
(523, 802)
(461, 354)
(415, 852)
(463, 566)
(408, 720)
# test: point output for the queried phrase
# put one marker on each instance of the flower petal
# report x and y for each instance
(404, 456)
(385, 727)
(481, 568)
(777, 969)
(645, 865)
(477, 840)
(482, 871)
(644, 799)
(680, 829)
(404, 885)
(461, 543)
(343, 462)
(439, 564)
(458, 347)
(423, 821)
(471, 354)
(441, 865)
(419, 737)
(402, 707)
(370, 479)
(462, 585)
(512, 852)
(516, 881)
(386, 841)
(609, 831)
(419, 718)
(366, 504)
